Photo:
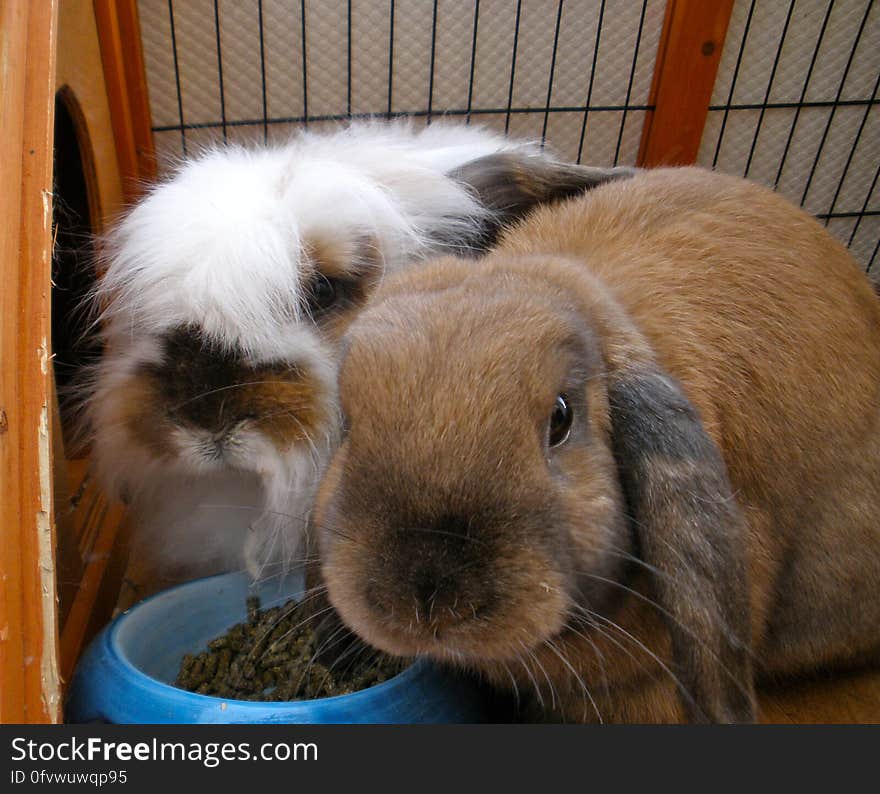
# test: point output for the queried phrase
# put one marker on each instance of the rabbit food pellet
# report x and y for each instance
(273, 656)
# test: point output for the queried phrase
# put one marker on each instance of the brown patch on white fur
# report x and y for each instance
(353, 266)
(337, 256)
(204, 390)
(288, 411)
(136, 407)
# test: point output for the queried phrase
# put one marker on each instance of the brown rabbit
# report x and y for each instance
(627, 462)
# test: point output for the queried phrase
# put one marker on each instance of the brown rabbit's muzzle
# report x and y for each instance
(449, 585)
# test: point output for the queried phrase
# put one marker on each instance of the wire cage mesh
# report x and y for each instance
(794, 105)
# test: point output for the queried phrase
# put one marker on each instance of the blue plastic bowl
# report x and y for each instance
(125, 674)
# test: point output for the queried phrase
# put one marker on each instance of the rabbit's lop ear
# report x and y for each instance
(512, 183)
(691, 532)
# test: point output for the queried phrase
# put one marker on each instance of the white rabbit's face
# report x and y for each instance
(184, 402)
(180, 409)
(182, 395)
(216, 408)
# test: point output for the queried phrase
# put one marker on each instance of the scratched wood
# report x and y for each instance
(29, 681)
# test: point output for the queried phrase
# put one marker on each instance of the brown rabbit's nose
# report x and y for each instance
(433, 575)
(429, 604)
(427, 585)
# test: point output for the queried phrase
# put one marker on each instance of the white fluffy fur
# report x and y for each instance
(219, 243)
(220, 246)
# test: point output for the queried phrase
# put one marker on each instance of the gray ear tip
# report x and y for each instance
(619, 172)
(593, 176)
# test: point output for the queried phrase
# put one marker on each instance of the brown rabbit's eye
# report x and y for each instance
(560, 421)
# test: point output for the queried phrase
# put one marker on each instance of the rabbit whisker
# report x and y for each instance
(530, 674)
(579, 679)
(546, 675)
(676, 680)
(679, 623)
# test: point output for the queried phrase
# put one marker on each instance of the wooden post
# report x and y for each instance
(123, 59)
(684, 77)
(29, 682)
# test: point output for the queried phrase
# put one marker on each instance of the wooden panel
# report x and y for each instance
(29, 682)
(123, 58)
(684, 76)
(80, 79)
(99, 548)
(94, 600)
(92, 542)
